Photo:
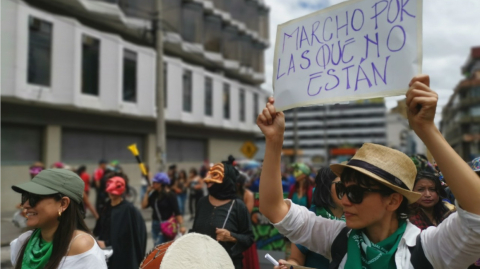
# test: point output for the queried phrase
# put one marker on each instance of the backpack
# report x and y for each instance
(339, 249)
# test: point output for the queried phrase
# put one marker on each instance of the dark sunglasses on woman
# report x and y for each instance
(33, 199)
(354, 193)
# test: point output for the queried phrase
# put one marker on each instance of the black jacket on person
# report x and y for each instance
(123, 228)
(209, 217)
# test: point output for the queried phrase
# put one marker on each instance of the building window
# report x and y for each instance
(242, 105)
(39, 51)
(192, 22)
(255, 107)
(98, 145)
(208, 96)
(165, 89)
(187, 91)
(90, 64)
(186, 150)
(129, 76)
(226, 101)
(21, 144)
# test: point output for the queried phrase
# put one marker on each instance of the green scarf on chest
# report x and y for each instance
(37, 253)
(326, 213)
(364, 254)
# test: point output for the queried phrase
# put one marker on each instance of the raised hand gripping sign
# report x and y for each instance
(355, 50)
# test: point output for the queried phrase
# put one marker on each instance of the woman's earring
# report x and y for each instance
(59, 215)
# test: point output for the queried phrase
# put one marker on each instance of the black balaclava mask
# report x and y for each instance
(223, 176)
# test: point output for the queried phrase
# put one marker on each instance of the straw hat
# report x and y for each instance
(390, 167)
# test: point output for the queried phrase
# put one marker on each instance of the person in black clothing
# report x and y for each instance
(222, 215)
(102, 195)
(122, 227)
(164, 203)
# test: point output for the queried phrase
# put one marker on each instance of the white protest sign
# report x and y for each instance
(355, 50)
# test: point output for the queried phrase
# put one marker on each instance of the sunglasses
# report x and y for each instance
(33, 199)
(354, 193)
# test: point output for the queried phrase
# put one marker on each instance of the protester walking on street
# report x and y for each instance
(145, 182)
(375, 190)
(99, 172)
(222, 216)
(60, 238)
(196, 184)
(180, 189)
(164, 204)
(121, 226)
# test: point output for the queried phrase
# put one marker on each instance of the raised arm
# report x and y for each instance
(463, 182)
(272, 124)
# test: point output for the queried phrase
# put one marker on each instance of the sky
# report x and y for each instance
(450, 29)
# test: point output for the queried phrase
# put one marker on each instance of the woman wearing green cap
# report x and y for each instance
(375, 190)
(52, 201)
(301, 192)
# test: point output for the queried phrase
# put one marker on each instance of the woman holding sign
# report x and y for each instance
(375, 190)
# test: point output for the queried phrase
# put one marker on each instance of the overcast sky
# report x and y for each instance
(450, 29)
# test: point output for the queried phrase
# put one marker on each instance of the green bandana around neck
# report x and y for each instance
(326, 213)
(37, 253)
(364, 254)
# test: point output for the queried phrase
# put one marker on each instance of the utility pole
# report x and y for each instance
(295, 135)
(161, 130)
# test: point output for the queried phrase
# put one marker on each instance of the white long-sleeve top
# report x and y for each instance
(92, 258)
(455, 243)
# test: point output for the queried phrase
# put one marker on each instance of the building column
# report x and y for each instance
(52, 145)
(150, 152)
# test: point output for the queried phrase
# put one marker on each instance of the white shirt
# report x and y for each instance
(93, 258)
(455, 243)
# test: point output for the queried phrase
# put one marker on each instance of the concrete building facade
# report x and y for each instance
(78, 82)
(333, 133)
(461, 116)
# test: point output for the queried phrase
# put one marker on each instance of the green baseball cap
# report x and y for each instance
(53, 181)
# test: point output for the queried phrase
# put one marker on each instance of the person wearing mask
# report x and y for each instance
(301, 192)
(375, 189)
(164, 204)
(325, 204)
(60, 239)
(195, 184)
(121, 226)
(429, 210)
(222, 216)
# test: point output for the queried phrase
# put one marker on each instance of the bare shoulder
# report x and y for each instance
(82, 242)
(248, 195)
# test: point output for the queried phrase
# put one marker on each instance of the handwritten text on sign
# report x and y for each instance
(354, 50)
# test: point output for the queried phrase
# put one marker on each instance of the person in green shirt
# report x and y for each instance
(325, 204)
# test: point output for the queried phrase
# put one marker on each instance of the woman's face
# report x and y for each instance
(429, 194)
(44, 214)
(333, 191)
(157, 186)
(300, 177)
(369, 212)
